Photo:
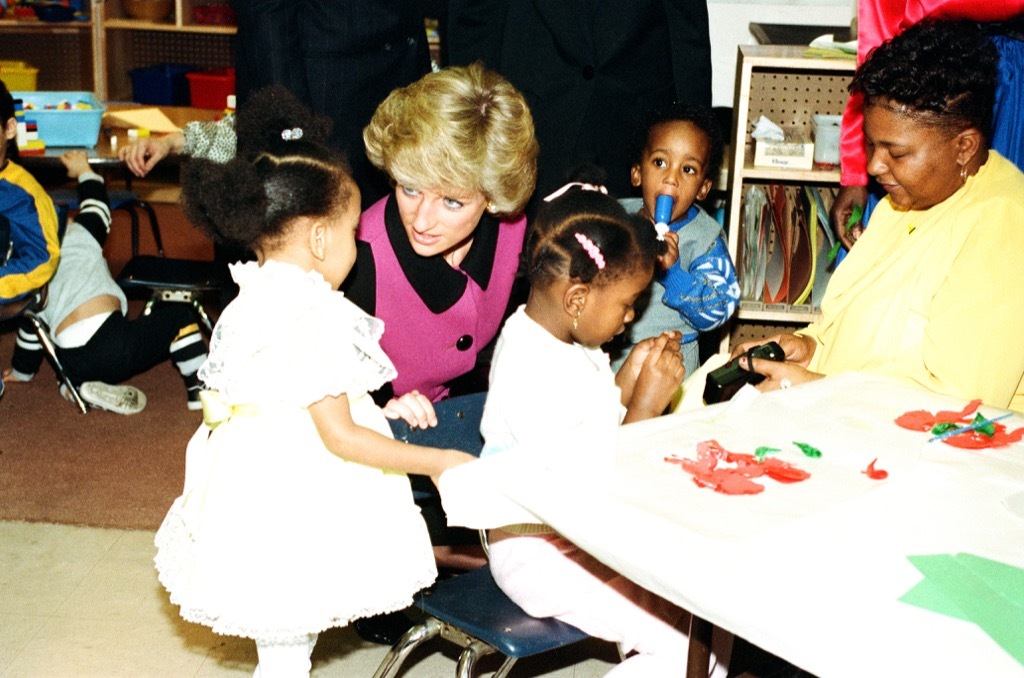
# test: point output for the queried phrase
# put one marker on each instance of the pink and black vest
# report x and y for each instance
(428, 348)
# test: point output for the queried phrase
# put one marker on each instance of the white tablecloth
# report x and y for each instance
(811, 571)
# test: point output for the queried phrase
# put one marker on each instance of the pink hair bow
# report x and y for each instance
(591, 248)
(583, 186)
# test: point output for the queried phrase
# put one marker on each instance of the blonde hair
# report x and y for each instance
(461, 128)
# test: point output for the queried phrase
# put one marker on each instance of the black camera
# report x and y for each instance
(723, 383)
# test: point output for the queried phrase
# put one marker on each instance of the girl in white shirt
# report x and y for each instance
(552, 389)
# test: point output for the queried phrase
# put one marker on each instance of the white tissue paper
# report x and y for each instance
(766, 130)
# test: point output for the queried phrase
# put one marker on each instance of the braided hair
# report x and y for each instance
(588, 236)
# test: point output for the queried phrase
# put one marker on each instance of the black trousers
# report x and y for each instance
(123, 348)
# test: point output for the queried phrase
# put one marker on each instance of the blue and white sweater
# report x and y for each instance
(699, 293)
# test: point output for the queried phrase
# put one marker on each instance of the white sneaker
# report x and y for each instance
(121, 399)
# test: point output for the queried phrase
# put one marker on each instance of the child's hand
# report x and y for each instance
(143, 155)
(671, 256)
(76, 163)
(659, 377)
(415, 408)
(630, 369)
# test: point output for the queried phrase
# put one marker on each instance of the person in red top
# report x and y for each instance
(878, 21)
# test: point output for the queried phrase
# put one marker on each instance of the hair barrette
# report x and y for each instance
(582, 186)
(592, 250)
(293, 134)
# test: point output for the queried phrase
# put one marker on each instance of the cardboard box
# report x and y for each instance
(794, 152)
(77, 126)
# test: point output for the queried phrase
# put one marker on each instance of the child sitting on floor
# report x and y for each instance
(678, 155)
(85, 309)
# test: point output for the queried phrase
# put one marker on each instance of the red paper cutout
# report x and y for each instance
(976, 440)
(730, 472)
(875, 473)
(921, 420)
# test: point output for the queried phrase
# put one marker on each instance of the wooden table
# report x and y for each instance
(104, 154)
(160, 186)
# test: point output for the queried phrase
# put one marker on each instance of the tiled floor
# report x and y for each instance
(78, 601)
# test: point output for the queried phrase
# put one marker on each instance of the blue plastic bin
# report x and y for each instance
(75, 127)
(162, 85)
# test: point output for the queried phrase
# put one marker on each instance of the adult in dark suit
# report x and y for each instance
(341, 58)
(588, 69)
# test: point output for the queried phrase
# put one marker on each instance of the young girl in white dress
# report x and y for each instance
(296, 514)
(553, 393)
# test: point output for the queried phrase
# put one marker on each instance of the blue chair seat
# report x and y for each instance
(472, 611)
(481, 609)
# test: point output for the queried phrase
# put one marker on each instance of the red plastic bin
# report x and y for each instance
(210, 89)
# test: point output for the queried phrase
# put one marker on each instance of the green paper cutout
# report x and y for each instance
(809, 450)
(855, 216)
(988, 429)
(976, 589)
(944, 426)
(763, 451)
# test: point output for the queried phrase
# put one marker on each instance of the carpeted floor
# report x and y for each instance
(99, 469)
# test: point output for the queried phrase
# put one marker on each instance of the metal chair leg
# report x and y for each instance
(412, 639)
(469, 656)
(129, 208)
(154, 226)
(201, 312)
(505, 667)
(51, 354)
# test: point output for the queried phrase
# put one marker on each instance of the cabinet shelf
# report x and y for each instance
(96, 55)
(784, 313)
(47, 27)
(753, 172)
(778, 82)
(64, 52)
(134, 25)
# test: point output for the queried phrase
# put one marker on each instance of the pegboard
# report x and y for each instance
(789, 98)
(64, 59)
(749, 330)
(129, 49)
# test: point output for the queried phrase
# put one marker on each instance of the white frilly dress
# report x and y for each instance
(275, 537)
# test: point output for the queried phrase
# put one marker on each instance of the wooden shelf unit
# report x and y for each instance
(97, 55)
(777, 81)
(64, 52)
(131, 44)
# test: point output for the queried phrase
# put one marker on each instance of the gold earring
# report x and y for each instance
(963, 174)
(576, 320)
